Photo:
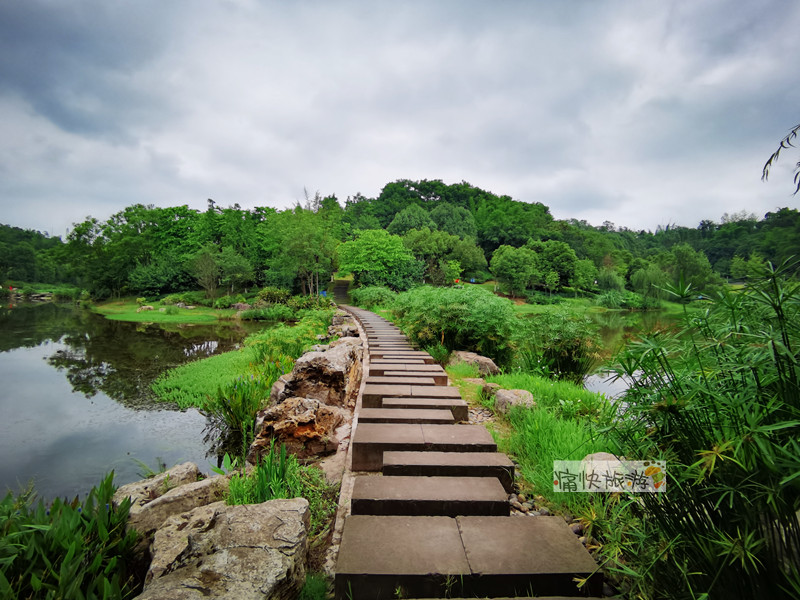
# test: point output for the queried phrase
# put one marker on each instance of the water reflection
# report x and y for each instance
(76, 402)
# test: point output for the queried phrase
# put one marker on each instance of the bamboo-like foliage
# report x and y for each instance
(720, 401)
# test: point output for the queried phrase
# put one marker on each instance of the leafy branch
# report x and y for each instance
(785, 143)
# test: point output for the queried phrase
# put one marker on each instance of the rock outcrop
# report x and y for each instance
(245, 552)
(305, 426)
(485, 365)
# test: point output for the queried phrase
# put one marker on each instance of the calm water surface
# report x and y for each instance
(75, 398)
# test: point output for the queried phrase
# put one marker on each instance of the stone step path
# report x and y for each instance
(429, 512)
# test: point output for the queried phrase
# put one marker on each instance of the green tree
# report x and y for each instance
(585, 275)
(205, 269)
(377, 257)
(411, 217)
(515, 267)
(455, 220)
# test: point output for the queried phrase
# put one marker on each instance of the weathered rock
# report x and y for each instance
(505, 399)
(276, 393)
(241, 306)
(485, 365)
(144, 308)
(349, 331)
(245, 552)
(306, 426)
(147, 490)
(489, 389)
(331, 377)
(151, 515)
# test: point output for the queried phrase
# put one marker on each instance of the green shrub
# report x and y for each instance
(69, 550)
(279, 475)
(233, 409)
(273, 295)
(470, 318)
(373, 296)
(276, 312)
(535, 297)
(439, 353)
(309, 303)
(228, 301)
(720, 402)
(171, 310)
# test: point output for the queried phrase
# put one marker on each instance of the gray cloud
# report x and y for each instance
(641, 115)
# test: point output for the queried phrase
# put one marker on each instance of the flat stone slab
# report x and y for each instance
(371, 440)
(422, 391)
(389, 380)
(407, 415)
(378, 555)
(511, 554)
(468, 557)
(450, 464)
(459, 408)
(405, 361)
(378, 367)
(397, 355)
(429, 496)
(437, 377)
(373, 393)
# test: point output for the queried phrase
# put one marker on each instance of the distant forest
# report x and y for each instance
(413, 231)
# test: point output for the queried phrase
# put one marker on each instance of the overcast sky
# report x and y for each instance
(642, 113)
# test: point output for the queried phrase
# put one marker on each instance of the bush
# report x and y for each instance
(373, 296)
(273, 295)
(535, 297)
(470, 318)
(71, 550)
(309, 302)
(228, 301)
(276, 312)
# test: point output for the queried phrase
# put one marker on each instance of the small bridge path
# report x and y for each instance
(429, 512)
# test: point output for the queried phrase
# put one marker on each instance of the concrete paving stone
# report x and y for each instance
(408, 415)
(371, 440)
(404, 366)
(438, 378)
(439, 391)
(458, 438)
(394, 361)
(388, 380)
(459, 408)
(373, 394)
(429, 496)
(380, 555)
(537, 556)
(450, 464)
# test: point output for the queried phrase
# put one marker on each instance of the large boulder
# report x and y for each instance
(147, 490)
(307, 427)
(149, 516)
(332, 376)
(505, 399)
(485, 365)
(253, 551)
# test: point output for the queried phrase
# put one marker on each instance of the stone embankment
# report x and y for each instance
(426, 509)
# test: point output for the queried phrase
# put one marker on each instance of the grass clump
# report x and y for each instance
(373, 296)
(279, 475)
(69, 550)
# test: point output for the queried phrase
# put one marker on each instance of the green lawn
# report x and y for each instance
(125, 310)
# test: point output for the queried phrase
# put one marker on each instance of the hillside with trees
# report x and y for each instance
(412, 232)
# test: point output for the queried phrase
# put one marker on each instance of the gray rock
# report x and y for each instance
(185, 497)
(544, 511)
(276, 394)
(576, 528)
(489, 389)
(485, 365)
(505, 399)
(245, 552)
(147, 490)
(331, 377)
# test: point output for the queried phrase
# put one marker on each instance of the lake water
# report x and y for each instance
(75, 398)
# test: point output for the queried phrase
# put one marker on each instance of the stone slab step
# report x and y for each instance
(388, 380)
(408, 415)
(406, 361)
(429, 496)
(459, 408)
(379, 367)
(450, 464)
(371, 440)
(396, 354)
(438, 378)
(374, 392)
(470, 557)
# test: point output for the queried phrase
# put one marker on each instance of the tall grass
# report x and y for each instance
(279, 475)
(721, 403)
(68, 550)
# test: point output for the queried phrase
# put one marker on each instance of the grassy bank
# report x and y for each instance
(128, 310)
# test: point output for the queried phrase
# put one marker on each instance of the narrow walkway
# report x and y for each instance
(429, 513)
